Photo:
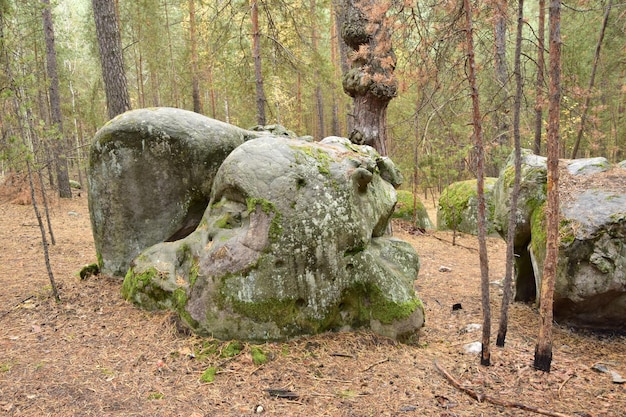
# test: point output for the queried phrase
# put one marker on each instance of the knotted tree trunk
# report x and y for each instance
(370, 80)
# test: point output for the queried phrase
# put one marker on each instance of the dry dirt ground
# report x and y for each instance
(94, 354)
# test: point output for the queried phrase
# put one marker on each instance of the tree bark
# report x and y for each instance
(319, 98)
(195, 84)
(596, 58)
(60, 159)
(480, 183)
(501, 72)
(256, 56)
(543, 350)
(370, 81)
(510, 255)
(111, 57)
(541, 29)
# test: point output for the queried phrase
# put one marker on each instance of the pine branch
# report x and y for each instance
(493, 400)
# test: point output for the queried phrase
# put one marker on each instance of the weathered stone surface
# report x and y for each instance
(292, 243)
(405, 210)
(150, 175)
(622, 164)
(458, 207)
(532, 194)
(590, 285)
(588, 166)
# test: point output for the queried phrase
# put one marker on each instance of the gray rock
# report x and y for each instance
(622, 164)
(458, 207)
(292, 243)
(590, 287)
(588, 166)
(150, 175)
(532, 195)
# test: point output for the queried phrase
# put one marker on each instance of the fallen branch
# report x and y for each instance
(375, 364)
(483, 397)
(452, 243)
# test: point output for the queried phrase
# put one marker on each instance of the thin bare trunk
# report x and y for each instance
(541, 29)
(256, 56)
(596, 58)
(44, 240)
(212, 92)
(480, 184)
(195, 83)
(340, 6)
(501, 72)
(543, 350)
(173, 71)
(510, 255)
(334, 53)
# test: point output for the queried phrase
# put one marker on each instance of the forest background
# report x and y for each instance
(429, 123)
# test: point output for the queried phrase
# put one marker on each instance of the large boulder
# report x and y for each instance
(150, 176)
(590, 287)
(458, 207)
(292, 243)
(411, 209)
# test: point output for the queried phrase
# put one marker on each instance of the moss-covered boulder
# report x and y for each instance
(292, 243)
(590, 285)
(150, 176)
(411, 209)
(458, 207)
(590, 288)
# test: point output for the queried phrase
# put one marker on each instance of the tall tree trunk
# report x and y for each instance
(371, 81)
(543, 350)
(480, 184)
(501, 72)
(334, 54)
(195, 83)
(60, 159)
(319, 99)
(340, 7)
(541, 29)
(172, 81)
(256, 56)
(212, 99)
(111, 57)
(510, 255)
(596, 58)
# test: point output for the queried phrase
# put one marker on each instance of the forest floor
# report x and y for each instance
(94, 354)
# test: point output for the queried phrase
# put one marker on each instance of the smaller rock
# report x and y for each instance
(588, 166)
(445, 269)
(408, 408)
(72, 213)
(259, 409)
(474, 347)
(472, 327)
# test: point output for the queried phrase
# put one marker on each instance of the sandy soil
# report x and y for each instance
(94, 354)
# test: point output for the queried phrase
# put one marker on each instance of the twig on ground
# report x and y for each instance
(483, 397)
(342, 355)
(375, 364)
(452, 243)
(565, 382)
(17, 304)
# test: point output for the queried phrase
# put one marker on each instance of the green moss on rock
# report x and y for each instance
(404, 210)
